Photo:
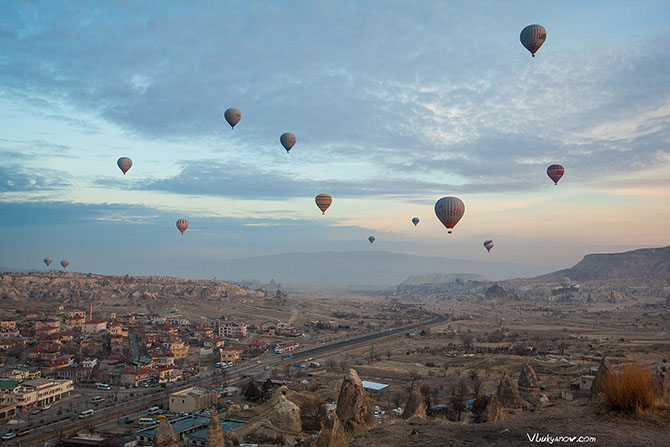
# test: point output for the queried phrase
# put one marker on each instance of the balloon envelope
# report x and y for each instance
(124, 163)
(564, 281)
(233, 116)
(449, 211)
(371, 239)
(488, 245)
(415, 221)
(48, 261)
(287, 140)
(323, 201)
(532, 37)
(555, 172)
(182, 225)
(65, 263)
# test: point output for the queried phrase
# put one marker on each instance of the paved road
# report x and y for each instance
(104, 416)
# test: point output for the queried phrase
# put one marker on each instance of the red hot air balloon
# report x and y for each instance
(233, 116)
(182, 225)
(555, 172)
(323, 201)
(449, 211)
(124, 163)
(532, 37)
(287, 140)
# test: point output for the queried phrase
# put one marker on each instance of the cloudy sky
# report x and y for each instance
(394, 104)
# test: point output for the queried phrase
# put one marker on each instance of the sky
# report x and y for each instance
(394, 104)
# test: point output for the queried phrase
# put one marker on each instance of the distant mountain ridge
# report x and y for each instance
(363, 268)
(645, 264)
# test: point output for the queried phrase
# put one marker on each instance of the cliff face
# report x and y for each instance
(73, 287)
(647, 264)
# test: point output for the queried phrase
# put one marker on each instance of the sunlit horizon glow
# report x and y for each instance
(387, 122)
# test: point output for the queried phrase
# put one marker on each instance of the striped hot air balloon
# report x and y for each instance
(182, 225)
(532, 37)
(555, 172)
(488, 244)
(287, 140)
(564, 282)
(233, 116)
(124, 163)
(323, 201)
(415, 221)
(449, 211)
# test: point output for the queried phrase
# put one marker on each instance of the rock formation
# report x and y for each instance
(284, 414)
(332, 433)
(165, 435)
(604, 370)
(508, 394)
(494, 410)
(414, 406)
(353, 406)
(528, 379)
(662, 383)
(216, 437)
(495, 291)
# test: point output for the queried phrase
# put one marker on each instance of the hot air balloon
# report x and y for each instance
(287, 140)
(371, 239)
(182, 225)
(532, 37)
(323, 201)
(555, 172)
(488, 245)
(124, 164)
(564, 282)
(233, 116)
(48, 261)
(449, 211)
(65, 263)
(415, 221)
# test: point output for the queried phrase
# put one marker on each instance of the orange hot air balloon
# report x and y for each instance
(449, 211)
(323, 201)
(182, 225)
(233, 116)
(124, 163)
(287, 140)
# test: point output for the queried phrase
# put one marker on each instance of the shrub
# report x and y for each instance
(631, 390)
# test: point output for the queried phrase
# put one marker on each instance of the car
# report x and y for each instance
(183, 414)
(45, 407)
(9, 435)
(229, 402)
(128, 420)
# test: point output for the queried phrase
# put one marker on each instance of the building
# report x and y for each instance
(585, 382)
(232, 329)
(94, 326)
(191, 400)
(229, 355)
(178, 348)
(22, 372)
(134, 375)
(280, 349)
(7, 323)
(33, 392)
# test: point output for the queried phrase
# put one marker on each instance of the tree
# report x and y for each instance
(479, 408)
(251, 391)
(331, 363)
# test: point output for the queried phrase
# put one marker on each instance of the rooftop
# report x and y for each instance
(374, 385)
(201, 435)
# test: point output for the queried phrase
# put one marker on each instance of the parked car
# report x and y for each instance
(229, 402)
(128, 420)
(45, 407)
(9, 435)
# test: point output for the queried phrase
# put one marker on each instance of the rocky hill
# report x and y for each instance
(74, 287)
(441, 278)
(647, 265)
